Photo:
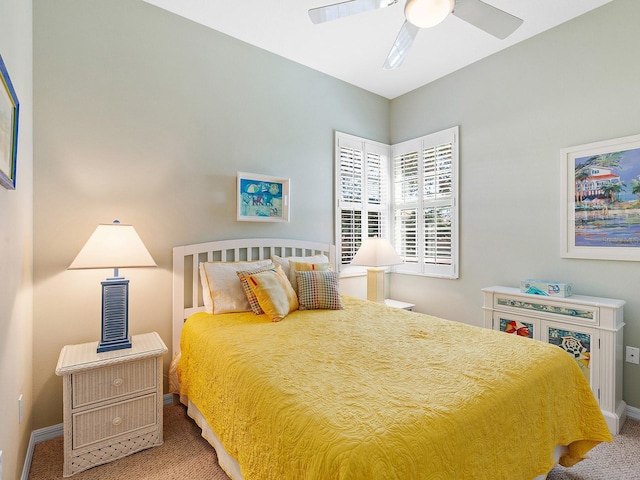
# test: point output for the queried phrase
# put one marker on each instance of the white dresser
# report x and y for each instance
(112, 401)
(589, 328)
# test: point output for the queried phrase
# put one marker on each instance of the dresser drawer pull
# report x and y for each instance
(117, 382)
(116, 421)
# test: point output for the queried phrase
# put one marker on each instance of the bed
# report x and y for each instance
(367, 391)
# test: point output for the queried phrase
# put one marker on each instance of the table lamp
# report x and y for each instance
(114, 246)
(376, 253)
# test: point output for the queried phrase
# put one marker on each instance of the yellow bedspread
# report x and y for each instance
(371, 393)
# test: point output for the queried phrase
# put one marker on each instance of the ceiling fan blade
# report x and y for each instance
(486, 17)
(345, 9)
(401, 46)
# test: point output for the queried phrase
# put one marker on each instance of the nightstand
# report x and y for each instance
(398, 304)
(112, 401)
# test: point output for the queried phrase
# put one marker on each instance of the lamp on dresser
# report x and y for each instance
(114, 246)
(377, 254)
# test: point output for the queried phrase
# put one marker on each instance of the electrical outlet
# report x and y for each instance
(633, 355)
(19, 409)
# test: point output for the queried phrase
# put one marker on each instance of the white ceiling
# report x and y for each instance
(353, 49)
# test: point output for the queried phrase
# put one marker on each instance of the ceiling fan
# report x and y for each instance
(424, 14)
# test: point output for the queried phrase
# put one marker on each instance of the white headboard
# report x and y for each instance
(187, 291)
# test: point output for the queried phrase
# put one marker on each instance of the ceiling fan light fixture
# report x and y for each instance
(427, 13)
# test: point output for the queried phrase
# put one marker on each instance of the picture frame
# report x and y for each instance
(262, 198)
(600, 194)
(9, 111)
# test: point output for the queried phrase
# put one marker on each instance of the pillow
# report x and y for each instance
(251, 297)
(318, 290)
(304, 267)
(274, 293)
(284, 262)
(221, 288)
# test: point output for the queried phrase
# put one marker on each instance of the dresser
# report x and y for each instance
(112, 401)
(590, 329)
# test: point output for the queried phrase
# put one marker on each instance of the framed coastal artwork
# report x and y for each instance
(600, 195)
(262, 198)
(9, 108)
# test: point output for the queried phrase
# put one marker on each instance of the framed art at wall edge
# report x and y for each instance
(262, 198)
(9, 108)
(600, 196)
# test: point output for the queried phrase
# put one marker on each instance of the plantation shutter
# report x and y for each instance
(425, 204)
(361, 192)
(350, 200)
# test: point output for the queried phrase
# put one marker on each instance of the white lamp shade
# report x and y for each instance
(427, 13)
(376, 252)
(113, 246)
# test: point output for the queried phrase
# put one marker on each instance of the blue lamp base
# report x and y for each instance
(115, 315)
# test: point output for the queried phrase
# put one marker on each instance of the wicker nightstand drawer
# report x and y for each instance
(95, 425)
(111, 382)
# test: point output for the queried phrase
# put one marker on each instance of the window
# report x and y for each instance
(424, 204)
(419, 217)
(362, 185)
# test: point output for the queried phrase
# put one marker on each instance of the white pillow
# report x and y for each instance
(221, 288)
(286, 267)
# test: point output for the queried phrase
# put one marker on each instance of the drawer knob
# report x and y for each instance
(117, 421)
(117, 382)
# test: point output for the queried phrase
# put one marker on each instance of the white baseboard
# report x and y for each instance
(167, 399)
(47, 433)
(633, 413)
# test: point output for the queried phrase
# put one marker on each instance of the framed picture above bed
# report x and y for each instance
(262, 198)
(9, 108)
(600, 196)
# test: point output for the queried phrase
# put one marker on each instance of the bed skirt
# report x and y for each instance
(226, 461)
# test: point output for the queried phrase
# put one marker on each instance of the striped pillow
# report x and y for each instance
(251, 297)
(318, 290)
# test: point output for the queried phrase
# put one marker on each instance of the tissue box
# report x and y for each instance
(544, 287)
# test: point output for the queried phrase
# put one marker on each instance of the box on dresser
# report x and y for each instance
(546, 288)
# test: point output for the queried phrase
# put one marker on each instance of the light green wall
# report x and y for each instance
(16, 248)
(575, 84)
(146, 117)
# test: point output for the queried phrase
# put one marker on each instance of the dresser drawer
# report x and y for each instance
(110, 382)
(550, 308)
(102, 423)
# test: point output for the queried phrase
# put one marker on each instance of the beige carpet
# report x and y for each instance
(185, 455)
(619, 460)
